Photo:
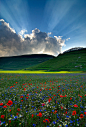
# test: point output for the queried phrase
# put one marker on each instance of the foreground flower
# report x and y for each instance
(74, 113)
(17, 113)
(81, 116)
(85, 112)
(9, 103)
(61, 107)
(40, 114)
(43, 104)
(4, 106)
(61, 96)
(70, 98)
(49, 99)
(21, 97)
(2, 116)
(46, 120)
(55, 112)
(1, 104)
(32, 116)
(75, 105)
(18, 109)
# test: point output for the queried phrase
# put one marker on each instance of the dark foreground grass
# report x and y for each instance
(43, 100)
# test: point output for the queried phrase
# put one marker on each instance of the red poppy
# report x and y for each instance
(70, 98)
(18, 109)
(66, 112)
(81, 115)
(9, 103)
(44, 121)
(26, 97)
(21, 97)
(4, 106)
(61, 107)
(17, 114)
(85, 112)
(24, 89)
(2, 116)
(74, 113)
(21, 100)
(43, 104)
(1, 104)
(49, 99)
(47, 120)
(61, 96)
(40, 114)
(10, 110)
(9, 121)
(32, 116)
(75, 105)
(55, 112)
(27, 94)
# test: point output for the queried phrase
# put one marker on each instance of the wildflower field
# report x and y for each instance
(43, 100)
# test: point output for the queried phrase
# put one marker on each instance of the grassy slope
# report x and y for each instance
(22, 62)
(64, 62)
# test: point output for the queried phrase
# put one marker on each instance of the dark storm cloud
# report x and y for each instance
(12, 44)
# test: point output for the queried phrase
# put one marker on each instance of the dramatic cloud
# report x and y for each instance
(12, 44)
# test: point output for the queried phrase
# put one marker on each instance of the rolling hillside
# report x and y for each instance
(69, 61)
(22, 62)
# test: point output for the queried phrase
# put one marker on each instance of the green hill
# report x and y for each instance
(69, 61)
(22, 62)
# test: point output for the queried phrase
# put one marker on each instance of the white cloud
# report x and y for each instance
(7, 25)
(22, 32)
(67, 39)
(49, 33)
(2, 20)
(37, 42)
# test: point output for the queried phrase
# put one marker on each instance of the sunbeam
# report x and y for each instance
(46, 26)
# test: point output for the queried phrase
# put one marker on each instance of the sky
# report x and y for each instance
(41, 26)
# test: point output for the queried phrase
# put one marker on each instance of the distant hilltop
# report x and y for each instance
(73, 49)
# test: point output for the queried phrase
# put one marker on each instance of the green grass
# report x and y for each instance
(64, 62)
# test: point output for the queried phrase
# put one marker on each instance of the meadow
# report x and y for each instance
(42, 100)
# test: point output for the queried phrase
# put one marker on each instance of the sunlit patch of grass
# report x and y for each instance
(38, 72)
